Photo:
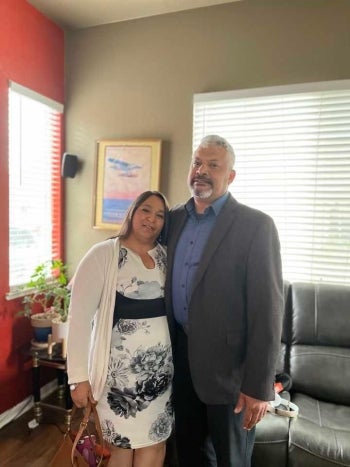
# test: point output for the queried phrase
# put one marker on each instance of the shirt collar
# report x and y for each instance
(216, 206)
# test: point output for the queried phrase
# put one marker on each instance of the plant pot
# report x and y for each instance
(42, 327)
(59, 329)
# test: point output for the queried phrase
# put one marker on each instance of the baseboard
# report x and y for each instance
(27, 404)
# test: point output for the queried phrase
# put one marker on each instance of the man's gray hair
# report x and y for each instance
(215, 140)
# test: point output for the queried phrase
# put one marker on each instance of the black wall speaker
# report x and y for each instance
(69, 165)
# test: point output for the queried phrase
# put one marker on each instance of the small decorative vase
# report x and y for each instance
(41, 323)
(59, 329)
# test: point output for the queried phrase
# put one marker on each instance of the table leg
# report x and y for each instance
(61, 384)
(68, 399)
(36, 390)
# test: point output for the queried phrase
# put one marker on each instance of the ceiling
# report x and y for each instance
(77, 14)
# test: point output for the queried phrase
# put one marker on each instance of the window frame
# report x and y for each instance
(55, 150)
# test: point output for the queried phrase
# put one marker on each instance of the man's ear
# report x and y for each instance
(232, 176)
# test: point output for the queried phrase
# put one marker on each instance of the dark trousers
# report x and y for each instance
(206, 435)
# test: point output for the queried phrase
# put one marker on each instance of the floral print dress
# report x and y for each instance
(135, 408)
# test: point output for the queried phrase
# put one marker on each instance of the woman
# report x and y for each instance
(119, 352)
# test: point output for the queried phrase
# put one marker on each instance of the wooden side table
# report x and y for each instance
(42, 358)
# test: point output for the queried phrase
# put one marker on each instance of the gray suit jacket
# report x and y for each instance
(236, 308)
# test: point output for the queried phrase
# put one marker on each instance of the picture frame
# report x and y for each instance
(125, 168)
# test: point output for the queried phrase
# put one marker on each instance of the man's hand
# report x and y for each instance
(254, 410)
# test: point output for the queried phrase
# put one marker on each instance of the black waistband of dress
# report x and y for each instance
(132, 308)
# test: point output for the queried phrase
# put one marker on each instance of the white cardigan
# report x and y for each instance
(91, 315)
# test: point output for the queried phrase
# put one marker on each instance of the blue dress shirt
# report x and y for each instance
(188, 254)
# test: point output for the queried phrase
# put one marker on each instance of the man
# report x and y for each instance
(224, 292)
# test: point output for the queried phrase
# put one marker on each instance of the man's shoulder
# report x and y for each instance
(177, 209)
(247, 217)
(252, 213)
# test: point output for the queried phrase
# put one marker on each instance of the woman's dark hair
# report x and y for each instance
(125, 228)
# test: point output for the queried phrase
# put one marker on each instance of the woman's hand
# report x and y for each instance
(81, 394)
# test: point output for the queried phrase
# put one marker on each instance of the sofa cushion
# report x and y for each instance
(320, 314)
(320, 436)
(271, 440)
(321, 372)
(320, 349)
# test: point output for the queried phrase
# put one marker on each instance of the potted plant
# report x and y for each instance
(48, 297)
(60, 306)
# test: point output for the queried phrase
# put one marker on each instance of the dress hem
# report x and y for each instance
(153, 443)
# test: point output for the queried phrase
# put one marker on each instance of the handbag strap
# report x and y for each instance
(90, 409)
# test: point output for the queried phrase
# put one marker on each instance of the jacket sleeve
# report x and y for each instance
(264, 311)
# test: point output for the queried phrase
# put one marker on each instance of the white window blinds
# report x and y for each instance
(292, 146)
(34, 180)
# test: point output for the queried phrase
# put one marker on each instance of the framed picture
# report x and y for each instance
(125, 168)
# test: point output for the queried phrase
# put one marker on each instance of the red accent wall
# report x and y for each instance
(31, 54)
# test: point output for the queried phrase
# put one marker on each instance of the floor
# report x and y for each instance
(21, 446)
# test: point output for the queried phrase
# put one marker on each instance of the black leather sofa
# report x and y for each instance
(315, 351)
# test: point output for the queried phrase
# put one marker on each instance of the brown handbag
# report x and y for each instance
(62, 457)
(68, 454)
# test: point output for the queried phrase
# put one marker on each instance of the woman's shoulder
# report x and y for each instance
(106, 247)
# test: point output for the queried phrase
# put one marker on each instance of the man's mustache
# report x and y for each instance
(201, 179)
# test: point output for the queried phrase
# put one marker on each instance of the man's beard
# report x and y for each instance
(201, 194)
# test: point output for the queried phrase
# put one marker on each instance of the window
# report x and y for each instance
(35, 185)
(292, 146)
